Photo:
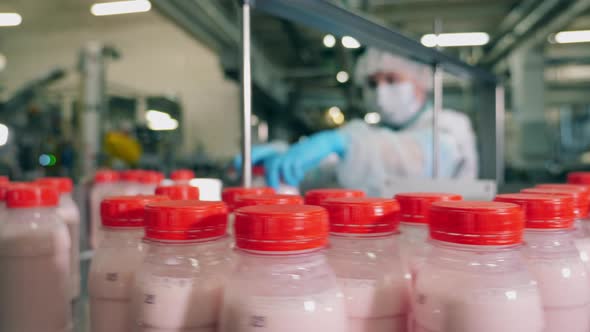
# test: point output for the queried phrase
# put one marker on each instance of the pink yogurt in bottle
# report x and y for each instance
(282, 281)
(182, 176)
(475, 278)
(414, 207)
(365, 257)
(69, 212)
(554, 261)
(105, 184)
(179, 192)
(231, 194)
(35, 280)
(119, 255)
(179, 285)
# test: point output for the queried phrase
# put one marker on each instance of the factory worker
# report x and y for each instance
(399, 146)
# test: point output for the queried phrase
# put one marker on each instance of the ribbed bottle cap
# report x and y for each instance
(105, 175)
(179, 192)
(543, 211)
(126, 211)
(31, 195)
(317, 196)
(362, 215)
(267, 199)
(182, 175)
(62, 184)
(414, 207)
(230, 194)
(579, 196)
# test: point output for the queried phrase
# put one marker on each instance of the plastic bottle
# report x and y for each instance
(105, 184)
(35, 283)
(267, 199)
(554, 261)
(317, 196)
(129, 182)
(179, 192)
(580, 198)
(282, 281)
(180, 283)
(230, 194)
(583, 222)
(364, 254)
(475, 279)
(414, 246)
(119, 255)
(70, 214)
(149, 181)
(182, 176)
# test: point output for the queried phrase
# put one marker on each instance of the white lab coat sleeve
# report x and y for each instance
(376, 154)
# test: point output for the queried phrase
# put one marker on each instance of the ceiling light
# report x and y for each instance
(329, 41)
(349, 42)
(372, 118)
(455, 39)
(342, 76)
(155, 116)
(120, 7)
(10, 19)
(335, 115)
(169, 124)
(568, 37)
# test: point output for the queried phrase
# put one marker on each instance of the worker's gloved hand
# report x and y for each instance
(306, 155)
(261, 153)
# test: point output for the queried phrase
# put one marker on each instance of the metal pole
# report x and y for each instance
(438, 104)
(500, 119)
(246, 96)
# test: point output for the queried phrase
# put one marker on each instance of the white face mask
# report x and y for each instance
(397, 103)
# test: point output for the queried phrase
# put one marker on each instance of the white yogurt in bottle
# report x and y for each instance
(475, 278)
(113, 267)
(282, 281)
(35, 284)
(179, 285)
(554, 261)
(230, 195)
(105, 184)
(414, 207)
(179, 192)
(365, 256)
(69, 212)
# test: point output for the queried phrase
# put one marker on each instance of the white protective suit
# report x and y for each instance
(377, 154)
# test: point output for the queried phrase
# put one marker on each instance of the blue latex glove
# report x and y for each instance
(304, 156)
(262, 152)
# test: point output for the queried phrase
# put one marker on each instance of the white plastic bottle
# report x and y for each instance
(414, 207)
(105, 184)
(119, 255)
(129, 182)
(317, 196)
(553, 259)
(364, 254)
(149, 181)
(69, 212)
(178, 192)
(230, 195)
(179, 285)
(580, 198)
(282, 281)
(475, 278)
(182, 176)
(35, 284)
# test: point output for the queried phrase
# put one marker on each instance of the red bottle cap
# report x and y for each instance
(267, 199)
(230, 194)
(414, 207)
(31, 195)
(317, 196)
(476, 223)
(182, 175)
(4, 179)
(5, 186)
(543, 211)
(185, 220)
(579, 177)
(580, 197)
(126, 211)
(281, 227)
(362, 215)
(131, 175)
(150, 177)
(106, 175)
(179, 192)
(62, 184)
(570, 186)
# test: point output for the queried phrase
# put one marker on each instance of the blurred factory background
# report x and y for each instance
(160, 89)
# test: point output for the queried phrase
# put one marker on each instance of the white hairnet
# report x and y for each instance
(375, 61)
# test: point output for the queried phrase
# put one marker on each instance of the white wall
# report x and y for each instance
(157, 57)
